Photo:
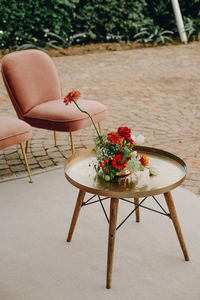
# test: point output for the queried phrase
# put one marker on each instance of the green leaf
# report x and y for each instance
(141, 168)
(126, 154)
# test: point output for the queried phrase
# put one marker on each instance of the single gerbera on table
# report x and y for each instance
(114, 150)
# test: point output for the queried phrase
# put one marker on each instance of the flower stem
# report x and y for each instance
(85, 112)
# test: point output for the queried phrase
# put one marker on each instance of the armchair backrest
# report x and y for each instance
(31, 78)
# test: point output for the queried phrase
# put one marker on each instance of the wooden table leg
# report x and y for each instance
(172, 210)
(137, 212)
(111, 239)
(77, 209)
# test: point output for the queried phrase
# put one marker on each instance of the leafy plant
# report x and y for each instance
(189, 27)
(155, 35)
(30, 46)
(59, 42)
(160, 36)
(143, 36)
(197, 27)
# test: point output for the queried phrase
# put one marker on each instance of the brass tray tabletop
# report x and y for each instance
(80, 172)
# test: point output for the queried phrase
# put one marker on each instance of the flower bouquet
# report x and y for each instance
(115, 150)
(116, 155)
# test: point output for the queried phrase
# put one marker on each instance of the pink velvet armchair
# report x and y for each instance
(33, 85)
(13, 132)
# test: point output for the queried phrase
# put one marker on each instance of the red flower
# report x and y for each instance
(115, 138)
(116, 162)
(72, 96)
(130, 140)
(144, 160)
(106, 161)
(101, 165)
(124, 132)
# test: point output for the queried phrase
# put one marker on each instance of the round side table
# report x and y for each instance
(79, 172)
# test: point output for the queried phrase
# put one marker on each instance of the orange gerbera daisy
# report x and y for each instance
(144, 160)
(72, 96)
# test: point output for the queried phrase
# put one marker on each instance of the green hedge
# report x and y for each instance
(23, 21)
(109, 19)
(163, 15)
(27, 21)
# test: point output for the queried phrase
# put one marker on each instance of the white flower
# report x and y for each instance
(134, 154)
(153, 170)
(133, 137)
(139, 139)
(133, 165)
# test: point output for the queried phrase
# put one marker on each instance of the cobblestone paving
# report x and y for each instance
(155, 91)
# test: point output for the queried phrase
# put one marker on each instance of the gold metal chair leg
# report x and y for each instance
(72, 142)
(99, 126)
(26, 162)
(26, 148)
(54, 134)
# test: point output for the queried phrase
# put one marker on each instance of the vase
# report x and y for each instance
(124, 180)
(123, 173)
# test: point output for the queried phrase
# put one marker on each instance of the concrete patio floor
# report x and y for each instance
(154, 91)
(38, 264)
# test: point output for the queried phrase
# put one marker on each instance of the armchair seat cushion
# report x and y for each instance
(13, 131)
(55, 115)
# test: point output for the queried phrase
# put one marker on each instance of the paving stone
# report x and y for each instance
(193, 177)
(55, 154)
(28, 155)
(39, 153)
(46, 147)
(20, 174)
(5, 172)
(13, 162)
(34, 166)
(32, 161)
(17, 168)
(11, 150)
(190, 182)
(52, 149)
(59, 161)
(45, 163)
(4, 166)
(12, 156)
(36, 142)
(39, 158)
(35, 148)
(3, 161)
(62, 142)
(63, 148)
